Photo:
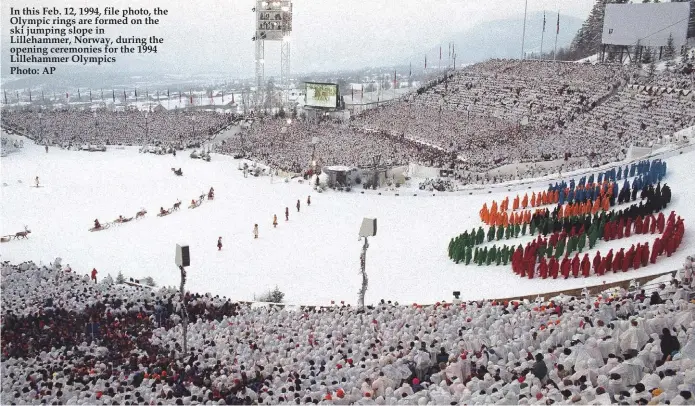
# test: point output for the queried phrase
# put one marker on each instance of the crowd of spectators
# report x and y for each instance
(289, 147)
(68, 340)
(492, 114)
(485, 116)
(74, 128)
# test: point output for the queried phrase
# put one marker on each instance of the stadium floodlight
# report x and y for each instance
(182, 259)
(367, 229)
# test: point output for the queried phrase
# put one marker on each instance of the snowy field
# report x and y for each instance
(313, 258)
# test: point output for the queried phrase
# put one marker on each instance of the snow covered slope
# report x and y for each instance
(313, 258)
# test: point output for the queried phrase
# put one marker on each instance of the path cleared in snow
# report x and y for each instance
(313, 258)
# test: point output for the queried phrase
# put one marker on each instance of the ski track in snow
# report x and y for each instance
(313, 258)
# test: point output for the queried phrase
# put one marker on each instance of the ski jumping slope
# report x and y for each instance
(313, 258)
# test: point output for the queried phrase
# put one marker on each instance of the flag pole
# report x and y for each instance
(557, 31)
(542, 35)
(523, 34)
(439, 67)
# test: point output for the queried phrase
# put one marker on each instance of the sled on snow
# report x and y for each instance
(125, 220)
(103, 227)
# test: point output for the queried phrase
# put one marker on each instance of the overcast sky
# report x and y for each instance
(215, 35)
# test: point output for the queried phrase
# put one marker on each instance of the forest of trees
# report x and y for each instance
(587, 41)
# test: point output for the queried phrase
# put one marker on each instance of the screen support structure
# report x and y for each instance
(260, 72)
(285, 68)
(274, 24)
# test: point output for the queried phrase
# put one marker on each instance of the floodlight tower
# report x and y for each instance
(273, 23)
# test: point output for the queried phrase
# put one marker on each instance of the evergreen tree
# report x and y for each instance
(636, 60)
(651, 69)
(468, 255)
(670, 49)
(588, 39)
(647, 56)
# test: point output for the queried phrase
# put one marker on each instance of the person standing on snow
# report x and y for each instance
(298, 205)
(255, 231)
(287, 214)
(308, 201)
(37, 181)
(94, 275)
(275, 220)
(219, 244)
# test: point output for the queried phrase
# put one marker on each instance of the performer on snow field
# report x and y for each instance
(37, 179)
(219, 244)
(287, 214)
(96, 224)
(275, 220)
(94, 275)
(308, 201)
(255, 231)
(297, 205)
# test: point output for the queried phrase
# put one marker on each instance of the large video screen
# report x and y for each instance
(321, 95)
(649, 23)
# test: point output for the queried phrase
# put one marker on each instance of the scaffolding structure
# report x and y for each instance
(273, 23)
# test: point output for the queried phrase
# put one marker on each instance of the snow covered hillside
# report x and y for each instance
(313, 258)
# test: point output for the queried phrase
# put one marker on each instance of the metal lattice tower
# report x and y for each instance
(260, 71)
(285, 69)
(273, 23)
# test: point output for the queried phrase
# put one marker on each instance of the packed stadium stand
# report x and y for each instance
(69, 340)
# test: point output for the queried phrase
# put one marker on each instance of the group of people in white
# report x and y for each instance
(72, 127)
(484, 116)
(288, 146)
(492, 114)
(67, 340)
(506, 111)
